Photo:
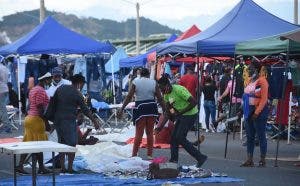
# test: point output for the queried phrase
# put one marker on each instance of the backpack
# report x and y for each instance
(239, 82)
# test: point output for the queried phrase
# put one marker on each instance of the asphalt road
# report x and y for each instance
(285, 174)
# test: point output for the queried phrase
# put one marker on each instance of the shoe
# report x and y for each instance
(262, 163)
(149, 157)
(247, 163)
(21, 171)
(244, 144)
(201, 162)
(206, 130)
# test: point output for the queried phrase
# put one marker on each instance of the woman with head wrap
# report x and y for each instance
(255, 112)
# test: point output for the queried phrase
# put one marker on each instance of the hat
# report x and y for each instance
(77, 78)
(47, 75)
(57, 71)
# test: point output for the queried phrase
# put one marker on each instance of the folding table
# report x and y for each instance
(33, 147)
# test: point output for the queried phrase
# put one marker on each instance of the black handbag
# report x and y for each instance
(50, 111)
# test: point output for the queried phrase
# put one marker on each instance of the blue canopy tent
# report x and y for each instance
(50, 37)
(245, 21)
(141, 60)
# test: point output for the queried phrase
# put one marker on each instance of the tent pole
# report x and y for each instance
(230, 105)
(113, 86)
(198, 99)
(19, 90)
(282, 98)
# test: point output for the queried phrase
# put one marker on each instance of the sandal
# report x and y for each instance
(248, 163)
(262, 163)
(21, 171)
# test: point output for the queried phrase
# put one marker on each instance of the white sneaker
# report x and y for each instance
(206, 130)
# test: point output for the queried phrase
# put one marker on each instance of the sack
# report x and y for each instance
(163, 171)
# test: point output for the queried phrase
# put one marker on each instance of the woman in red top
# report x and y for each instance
(35, 124)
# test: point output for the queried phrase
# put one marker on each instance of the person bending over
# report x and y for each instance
(181, 107)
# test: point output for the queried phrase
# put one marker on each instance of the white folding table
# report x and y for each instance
(34, 147)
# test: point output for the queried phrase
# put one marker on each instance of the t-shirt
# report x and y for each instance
(52, 88)
(67, 100)
(189, 81)
(37, 96)
(209, 92)
(178, 98)
(144, 88)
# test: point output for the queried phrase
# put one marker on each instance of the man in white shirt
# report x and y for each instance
(57, 81)
(4, 121)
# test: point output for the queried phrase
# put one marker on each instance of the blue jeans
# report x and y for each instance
(182, 126)
(210, 110)
(257, 126)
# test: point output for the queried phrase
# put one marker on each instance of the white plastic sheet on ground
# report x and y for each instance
(110, 157)
(118, 137)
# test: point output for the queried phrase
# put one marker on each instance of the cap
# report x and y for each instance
(57, 71)
(47, 75)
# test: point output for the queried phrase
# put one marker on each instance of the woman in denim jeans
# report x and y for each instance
(209, 89)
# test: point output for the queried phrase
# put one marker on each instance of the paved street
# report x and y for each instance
(285, 174)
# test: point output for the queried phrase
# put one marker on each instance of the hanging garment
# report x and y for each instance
(276, 81)
(295, 71)
(282, 114)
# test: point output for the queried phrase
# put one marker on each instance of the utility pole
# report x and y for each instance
(296, 12)
(42, 10)
(137, 28)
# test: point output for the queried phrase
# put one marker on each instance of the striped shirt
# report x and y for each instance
(37, 96)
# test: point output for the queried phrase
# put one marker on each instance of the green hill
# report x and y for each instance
(18, 24)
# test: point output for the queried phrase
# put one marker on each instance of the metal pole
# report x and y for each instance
(137, 28)
(230, 105)
(19, 91)
(198, 99)
(53, 168)
(296, 12)
(15, 172)
(282, 98)
(289, 121)
(42, 10)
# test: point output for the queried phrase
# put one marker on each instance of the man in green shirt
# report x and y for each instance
(181, 108)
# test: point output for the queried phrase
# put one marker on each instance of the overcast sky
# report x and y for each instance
(179, 14)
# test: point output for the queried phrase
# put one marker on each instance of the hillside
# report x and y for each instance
(15, 25)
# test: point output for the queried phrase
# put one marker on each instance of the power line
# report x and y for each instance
(127, 1)
(146, 2)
